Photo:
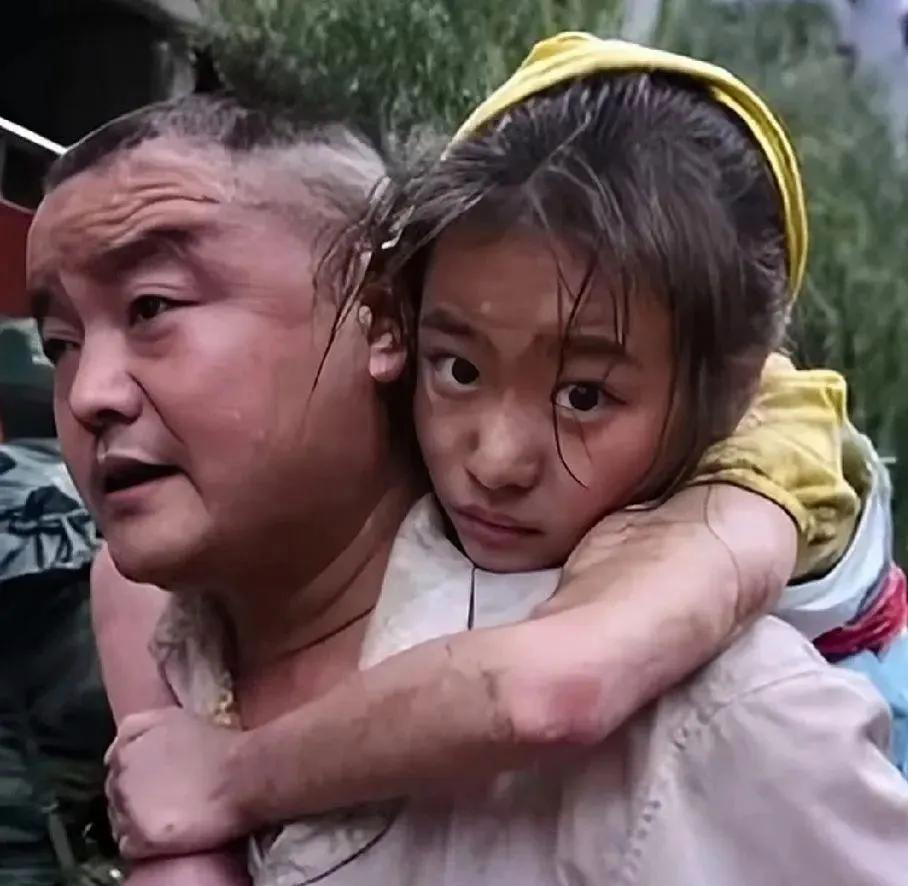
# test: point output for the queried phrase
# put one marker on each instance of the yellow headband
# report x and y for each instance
(573, 54)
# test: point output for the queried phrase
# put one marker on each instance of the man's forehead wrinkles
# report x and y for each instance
(121, 206)
(113, 227)
(145, 177)
(196, 172)
(117, 231)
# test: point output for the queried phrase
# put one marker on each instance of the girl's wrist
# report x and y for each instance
(257, 777)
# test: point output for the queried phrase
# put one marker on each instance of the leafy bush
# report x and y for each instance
(386, 65)
(391, 65)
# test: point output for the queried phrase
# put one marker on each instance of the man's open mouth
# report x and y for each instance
(125, 473)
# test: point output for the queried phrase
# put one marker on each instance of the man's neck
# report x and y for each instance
(274, 623)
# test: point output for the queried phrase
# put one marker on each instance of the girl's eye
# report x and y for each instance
(581, 397)
(147, 307)
(456, 371)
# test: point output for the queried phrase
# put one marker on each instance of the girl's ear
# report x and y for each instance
(385, 338)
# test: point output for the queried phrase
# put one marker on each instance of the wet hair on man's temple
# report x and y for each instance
(657, 187)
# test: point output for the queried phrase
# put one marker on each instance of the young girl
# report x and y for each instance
(599, 273)
(599, 269)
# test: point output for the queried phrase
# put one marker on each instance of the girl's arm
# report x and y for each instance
(791, 447)
(218, 868)
(124, 616)
(646, 599)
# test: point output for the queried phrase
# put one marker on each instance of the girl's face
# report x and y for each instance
(497, 376)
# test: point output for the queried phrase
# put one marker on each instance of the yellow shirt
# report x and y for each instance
(790, 447)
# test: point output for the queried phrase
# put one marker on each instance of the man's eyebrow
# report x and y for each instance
(163, 241)
(40, 300)
(45, 302)
(441, 320)
(151, 242)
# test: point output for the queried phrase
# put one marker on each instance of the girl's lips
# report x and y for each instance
(491, 530)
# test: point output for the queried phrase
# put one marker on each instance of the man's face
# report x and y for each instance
(186, 336)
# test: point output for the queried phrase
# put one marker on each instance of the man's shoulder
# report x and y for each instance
(760, 706)
(769, 666)
(742, 684)
(766, 653)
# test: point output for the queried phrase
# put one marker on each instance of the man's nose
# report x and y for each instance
(102, 390)
(507, 451)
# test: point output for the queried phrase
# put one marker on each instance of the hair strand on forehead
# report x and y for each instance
(664, 194)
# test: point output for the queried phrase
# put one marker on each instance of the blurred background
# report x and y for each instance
(836, 70)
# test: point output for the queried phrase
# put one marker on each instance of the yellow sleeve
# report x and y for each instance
(788, 448)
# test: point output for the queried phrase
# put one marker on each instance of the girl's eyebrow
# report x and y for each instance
(441, 320)
(598, 344)
(580, 343)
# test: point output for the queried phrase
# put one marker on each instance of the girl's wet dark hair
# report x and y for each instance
(661, 190)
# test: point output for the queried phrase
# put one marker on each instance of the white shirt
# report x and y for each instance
(765, 768)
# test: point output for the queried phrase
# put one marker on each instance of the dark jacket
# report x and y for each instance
(54, 720)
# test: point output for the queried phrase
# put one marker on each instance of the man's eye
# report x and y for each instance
(55, 348)
(456, 371)
(581, 397)
(147, 307)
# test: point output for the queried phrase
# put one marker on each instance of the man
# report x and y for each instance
(171, 266)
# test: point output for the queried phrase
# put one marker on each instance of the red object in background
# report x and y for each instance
(14, 224)
(881, 624)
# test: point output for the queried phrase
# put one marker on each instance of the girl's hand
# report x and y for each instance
(170, 785)
(210, 869)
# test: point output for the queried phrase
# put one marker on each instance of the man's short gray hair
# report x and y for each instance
(337, 167)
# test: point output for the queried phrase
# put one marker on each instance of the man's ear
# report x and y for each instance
(385, 337)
